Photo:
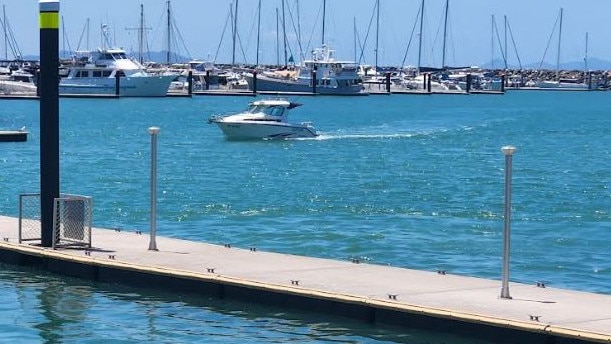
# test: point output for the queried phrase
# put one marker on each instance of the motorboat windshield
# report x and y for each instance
(274, 110)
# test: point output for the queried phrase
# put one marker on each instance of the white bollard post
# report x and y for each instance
(508, 151)
(153, 131)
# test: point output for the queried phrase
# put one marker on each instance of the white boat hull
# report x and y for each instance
(270, 131)
(300, 86)
(567, 85)
(142, 86)
(9, 87)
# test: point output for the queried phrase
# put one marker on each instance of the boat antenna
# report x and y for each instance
(105, 31)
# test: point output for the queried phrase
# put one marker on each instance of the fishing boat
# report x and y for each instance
(333, 77)
(263, 119)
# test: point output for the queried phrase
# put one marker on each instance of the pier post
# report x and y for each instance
(190, 83)
(314, 80)
(428, 83)
(38, 82)
(117, 83)
(254, 81)
(425, 75)
(49, 116)
(503, 79)
(469, 83)
(508, 151)
(153, 243)
(387, 82)
(207, 80)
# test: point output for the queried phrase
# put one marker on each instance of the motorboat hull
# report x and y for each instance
(140, 86)
(268, 131)
(560, 84)
(267, 84)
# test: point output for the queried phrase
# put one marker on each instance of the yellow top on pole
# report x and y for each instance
(49, 14)
(49, 20)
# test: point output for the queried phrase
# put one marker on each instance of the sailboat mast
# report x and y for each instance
(354, 33)
(299, 29)
(63, 36)
(492, 42)
(234, 33)
(377, 34)
(324, 9)
(559, 43)
(585, 59)
(277, 38)
(284, 35)
(87, 33)
(167, 57)
(420, 38)
(5, 34)
(258, 31)
(445, 35)
(141, 34)
(506, 51)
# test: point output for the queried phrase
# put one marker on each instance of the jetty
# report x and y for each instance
(13, 135)
(431, 300)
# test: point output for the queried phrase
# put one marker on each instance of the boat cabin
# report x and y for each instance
(272, 108)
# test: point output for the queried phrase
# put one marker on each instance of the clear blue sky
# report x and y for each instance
(201, 22)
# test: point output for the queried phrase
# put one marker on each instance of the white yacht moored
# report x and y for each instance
(101, 71)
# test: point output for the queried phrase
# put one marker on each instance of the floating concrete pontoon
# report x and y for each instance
(432, 300)
(13, 135)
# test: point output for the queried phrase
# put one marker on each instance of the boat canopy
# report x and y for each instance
(278, 102)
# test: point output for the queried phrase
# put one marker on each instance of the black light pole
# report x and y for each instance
(49, 115)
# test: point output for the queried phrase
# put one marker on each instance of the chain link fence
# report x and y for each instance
(71, 222)
(29, 218)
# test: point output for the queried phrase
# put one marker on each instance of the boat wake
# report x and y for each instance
(328, 136)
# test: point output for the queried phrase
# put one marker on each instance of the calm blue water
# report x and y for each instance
(409, 181)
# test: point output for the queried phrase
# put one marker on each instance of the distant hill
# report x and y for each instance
(593, 64)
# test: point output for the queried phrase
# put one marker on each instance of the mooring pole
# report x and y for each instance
(153, 243)
(508, 151)
(49, 116)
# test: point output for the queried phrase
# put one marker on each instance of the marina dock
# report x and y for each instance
(13, 135)
(435, 300)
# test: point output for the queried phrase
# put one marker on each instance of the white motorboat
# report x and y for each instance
(263, 119)
(98, 74)
(102, 71)
(332, 77)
